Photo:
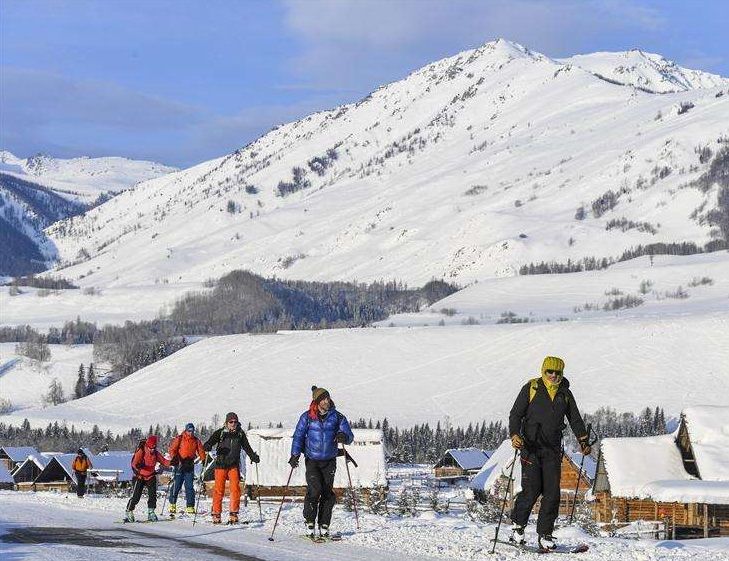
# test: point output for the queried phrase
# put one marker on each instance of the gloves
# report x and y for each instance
(255, 458)
(294, 461)
(585, 447)
(341, 438)
(517, 442)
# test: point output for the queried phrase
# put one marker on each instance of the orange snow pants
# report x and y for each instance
(221, 475)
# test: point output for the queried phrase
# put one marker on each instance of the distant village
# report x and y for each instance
(676, 484)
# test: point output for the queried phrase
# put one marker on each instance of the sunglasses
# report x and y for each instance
(557, 372)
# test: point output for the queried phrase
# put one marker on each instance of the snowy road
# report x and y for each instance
(56, 527)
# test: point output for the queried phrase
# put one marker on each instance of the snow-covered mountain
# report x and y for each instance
(648, 71)
(468, 168)
(38, 191)
(82, 179)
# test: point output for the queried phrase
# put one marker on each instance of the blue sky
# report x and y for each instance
(184, 81)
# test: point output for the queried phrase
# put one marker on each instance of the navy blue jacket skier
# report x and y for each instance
(319, 431)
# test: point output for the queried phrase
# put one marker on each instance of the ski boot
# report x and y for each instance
(216, 518)
(151, 515)
(173, 510)
(546, 542)
(310, 531)
(517, 535)
(129, 516)
(324, 532)
(190, 510)
(233, 519)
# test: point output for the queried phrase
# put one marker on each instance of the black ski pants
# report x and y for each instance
(540, 475)
(138, 487)
(80, 483)
(320, 496)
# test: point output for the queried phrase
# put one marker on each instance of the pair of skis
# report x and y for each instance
(318, 538)
(579, 548)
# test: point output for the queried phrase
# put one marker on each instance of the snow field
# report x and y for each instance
(428, 536)
(412, 375)
(24, 381)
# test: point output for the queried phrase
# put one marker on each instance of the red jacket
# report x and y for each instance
(144, 461)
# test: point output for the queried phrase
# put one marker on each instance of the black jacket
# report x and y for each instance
(229, 444)
(541, 422)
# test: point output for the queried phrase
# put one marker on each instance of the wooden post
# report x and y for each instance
(706, 520)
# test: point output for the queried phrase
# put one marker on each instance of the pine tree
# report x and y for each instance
(80, 389)
(91, 381)
(55, 393)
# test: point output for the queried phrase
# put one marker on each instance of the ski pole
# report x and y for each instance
(579, 474)
(506, 496)
(351, 490)
(282, 502)
(258, 495)
(201, 486)
(169, 488)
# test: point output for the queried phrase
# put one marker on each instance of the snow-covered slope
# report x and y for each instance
(41, 190)
(24, 382)
(648, 71)
(665, 286)
(82, 179)
(409, 375)
(466, 169)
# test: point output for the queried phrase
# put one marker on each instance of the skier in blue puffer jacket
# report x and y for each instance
(317, 435)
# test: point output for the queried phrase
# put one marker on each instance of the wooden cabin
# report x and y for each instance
(12, 456)
(458, 464)
(494, 476)
(26, 473)
(57, 475)
(681, 478)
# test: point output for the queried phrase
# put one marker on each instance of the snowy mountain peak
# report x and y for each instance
(470, 167)
(648, 71)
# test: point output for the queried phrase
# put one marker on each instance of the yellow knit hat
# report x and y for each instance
(552, 363)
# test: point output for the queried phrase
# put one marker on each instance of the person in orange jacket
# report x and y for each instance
(144, 465)
(230, 440)
(81, 465)
(183, 449)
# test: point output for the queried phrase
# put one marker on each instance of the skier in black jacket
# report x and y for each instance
(230, 440)
(536, 423)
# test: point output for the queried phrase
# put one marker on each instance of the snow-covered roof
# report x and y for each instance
(708, 428)
(5, 476)
(19, 453)
(274, 448)
(498, 465)
(589, 466)
(112, 467)
(633, 464)
(468, 458)
(65, 462)
(694, 491)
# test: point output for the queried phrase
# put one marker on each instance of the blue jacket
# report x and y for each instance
(316, 439)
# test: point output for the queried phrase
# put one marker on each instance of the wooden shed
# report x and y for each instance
(57, 475)
(460, 463)
(681, 477)
(12, 456)
(26, 473)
